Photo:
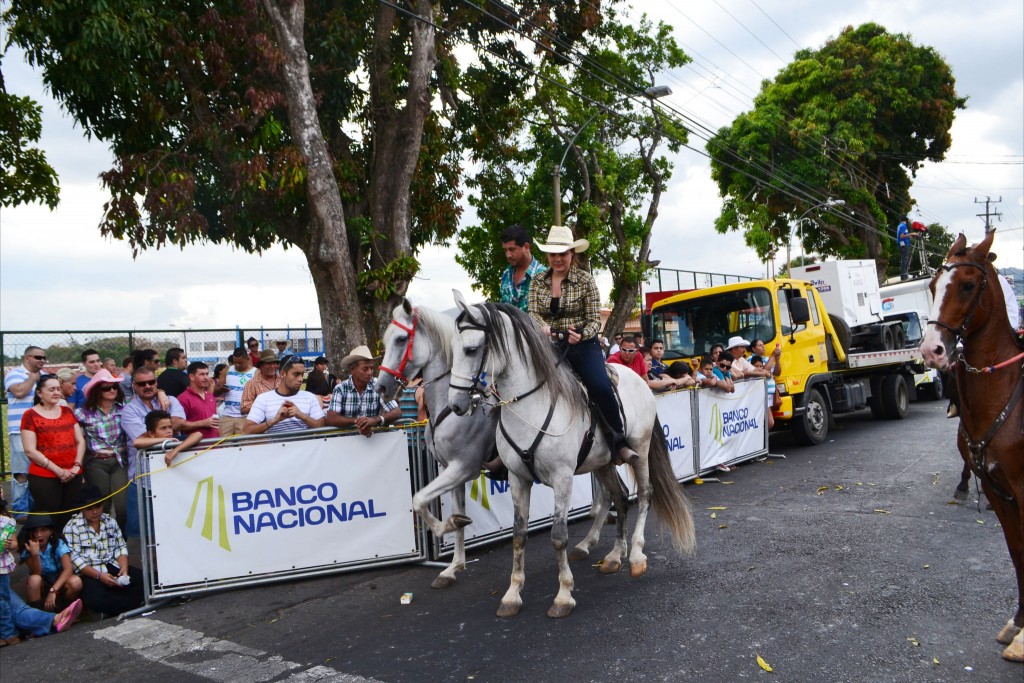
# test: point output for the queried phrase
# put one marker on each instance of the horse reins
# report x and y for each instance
(399, 374)
(958, 333)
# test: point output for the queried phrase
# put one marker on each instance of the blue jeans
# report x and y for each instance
(6, 611)
(30, 620)
(21, 501)
(587, 360)
(131, 527)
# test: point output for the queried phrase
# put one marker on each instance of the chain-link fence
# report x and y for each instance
(64, 350)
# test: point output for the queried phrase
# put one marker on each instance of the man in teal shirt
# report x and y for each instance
(522, 267)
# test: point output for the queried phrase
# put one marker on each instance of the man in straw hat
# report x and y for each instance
(356, 401)
(565, 301)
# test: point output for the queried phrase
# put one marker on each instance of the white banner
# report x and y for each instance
(489, 505)
(271, 507)
(675, 411)
(731, 426)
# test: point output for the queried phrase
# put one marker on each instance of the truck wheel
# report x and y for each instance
(875, 402)
(933, 390)
(895, 398)
(843, 333)
(888, 340)
(811, 427)
(899, 337)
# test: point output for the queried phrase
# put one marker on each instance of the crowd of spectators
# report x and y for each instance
(75, 435)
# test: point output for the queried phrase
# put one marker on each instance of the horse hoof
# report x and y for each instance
(557, 610)
(443, 582)
(460, 521)
(577, 554)
(638, 569)
(610, 567)
(1008, 633)
(507, 610)
(1014, 652)
(960, 494)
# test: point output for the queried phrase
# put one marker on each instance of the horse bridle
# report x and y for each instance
(958, 333)
(478, 388)
(399, 374)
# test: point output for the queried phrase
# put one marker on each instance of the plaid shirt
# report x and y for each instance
(519, 295)
(91, 549)
(347, 401)
(102, 430)
(579, 305)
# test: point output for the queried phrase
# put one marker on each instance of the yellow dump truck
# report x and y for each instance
(822, 375)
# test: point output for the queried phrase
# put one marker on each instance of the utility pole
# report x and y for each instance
(989, 213)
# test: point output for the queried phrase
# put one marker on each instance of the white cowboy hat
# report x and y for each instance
(560, 240)
(736, 341)
(358, 353)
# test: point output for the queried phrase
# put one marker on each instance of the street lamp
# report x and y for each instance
(652, 93)
(828, 203)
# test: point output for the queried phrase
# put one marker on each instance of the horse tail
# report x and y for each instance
(672, 506)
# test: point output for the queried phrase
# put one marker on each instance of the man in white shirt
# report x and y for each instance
(741, 367)
(231, 420)
(287, 408)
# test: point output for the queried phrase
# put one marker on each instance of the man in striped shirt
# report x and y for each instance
(287, 408)
(20, 385)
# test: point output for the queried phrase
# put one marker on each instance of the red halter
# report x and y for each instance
(399, 374)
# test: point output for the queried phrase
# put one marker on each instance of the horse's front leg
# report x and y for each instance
(446, 578)
(1011, 518)
(564, 602)
(521, 488)
(964, 487)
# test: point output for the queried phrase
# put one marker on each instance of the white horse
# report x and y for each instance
(418, 341)
(501, 354)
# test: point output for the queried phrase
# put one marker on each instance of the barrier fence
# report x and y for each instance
(64, 349)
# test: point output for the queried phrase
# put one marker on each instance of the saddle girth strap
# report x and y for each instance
(527, 454)
(588, 442)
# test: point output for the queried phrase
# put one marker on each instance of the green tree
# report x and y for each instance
(853, 120)
(306, 123)
(25, 175)
(613, 176)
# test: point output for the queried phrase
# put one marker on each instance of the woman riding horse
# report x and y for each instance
(566, 303)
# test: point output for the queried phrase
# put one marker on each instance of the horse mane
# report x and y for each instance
(532, 344)
(440, 327)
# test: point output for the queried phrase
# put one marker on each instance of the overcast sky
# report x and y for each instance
(56, 272)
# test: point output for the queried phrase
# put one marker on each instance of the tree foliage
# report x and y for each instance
(310, 124)
(852, 120)
(587, 105)
(25, 175)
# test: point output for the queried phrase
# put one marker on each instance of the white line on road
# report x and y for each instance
(182, 649)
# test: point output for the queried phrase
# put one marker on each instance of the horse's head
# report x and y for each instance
(470, 380)
(403, 358)
(958, 289)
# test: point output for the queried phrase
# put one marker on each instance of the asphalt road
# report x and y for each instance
(844, 562)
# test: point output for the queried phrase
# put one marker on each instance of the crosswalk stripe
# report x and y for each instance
(183, 649)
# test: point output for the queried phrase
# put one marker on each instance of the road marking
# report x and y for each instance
(182, 649)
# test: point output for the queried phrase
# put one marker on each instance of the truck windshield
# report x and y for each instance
(689, 328)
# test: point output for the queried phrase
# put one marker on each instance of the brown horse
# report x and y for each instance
(969, 306)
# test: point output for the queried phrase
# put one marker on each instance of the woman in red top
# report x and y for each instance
(55, 445)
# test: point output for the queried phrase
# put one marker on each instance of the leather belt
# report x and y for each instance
(103, 455)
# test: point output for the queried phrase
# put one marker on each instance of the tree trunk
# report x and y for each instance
(326, 250)
(396, 148)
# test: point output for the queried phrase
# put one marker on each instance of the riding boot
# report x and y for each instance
(496, 470)
(624, 455)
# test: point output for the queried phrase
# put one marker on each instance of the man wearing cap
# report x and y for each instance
(264, 380)
(20, 385)
(283, 349)
(356, 401)
(522, 267)
(318, 382)
(231, 420)
(287, 408)
(174, 380)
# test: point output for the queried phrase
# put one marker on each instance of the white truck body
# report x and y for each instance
(848, 289)
(907, 296)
